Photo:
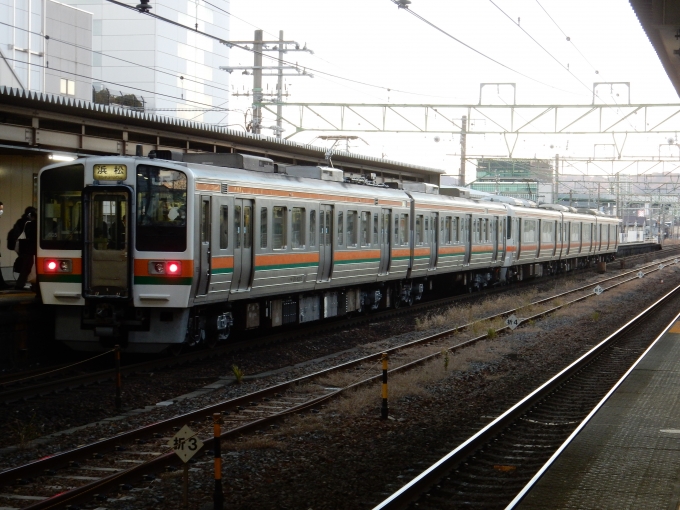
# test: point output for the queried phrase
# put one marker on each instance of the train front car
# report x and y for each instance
(113, 255)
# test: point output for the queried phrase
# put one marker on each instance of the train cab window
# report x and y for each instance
(403, 229)
(312, 228)
(420, 233)
(297, 241)
(365, 229)
(61, 208)
(352, 229)
(341, 229)
(279, 228)
(224, 227)
(375, 230)
(529, 231)
(161, 209)
(263, 227)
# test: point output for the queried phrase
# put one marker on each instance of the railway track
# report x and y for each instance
(106, 464)
(42, 382)
(491, 467)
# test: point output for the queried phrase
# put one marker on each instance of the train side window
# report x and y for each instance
(403, 229)
(547, 231)
(529, 234)
(365, 229)
(279, 228)
(352, 229)
(446, 238)
(455, 230)
(263, 227)
(575, 230)
(237, 226)
(426, 237)
(420, 234)
(247, 227)
(297, 241)
(375, 230)
(586, 233)
(475, 230)
(224, 227)
(341, 229)
(509, 235)
(312, 228)
(396, 229)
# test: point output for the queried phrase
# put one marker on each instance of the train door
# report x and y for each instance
(243, 245)
(384, 240)
(204, 248)
(566, 236)
(539, 237)
(432, 239)
(325, 243)
(494, 239)
(466, 231)
(107, 260)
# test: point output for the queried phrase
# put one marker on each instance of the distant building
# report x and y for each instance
(525, 189)
(48, 48)
(515, 169)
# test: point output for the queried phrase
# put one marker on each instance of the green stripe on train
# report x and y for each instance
(61, 278)
(162, 280)
(224, 270)
(286, 266)
(357, 261)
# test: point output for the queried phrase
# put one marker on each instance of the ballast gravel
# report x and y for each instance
(334, 460)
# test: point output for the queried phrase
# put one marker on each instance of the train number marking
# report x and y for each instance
(598, 290)
(185, 443)
(512, 322)
(640, 274)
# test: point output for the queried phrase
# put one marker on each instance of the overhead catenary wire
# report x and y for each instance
(567, 37)
(484, 55)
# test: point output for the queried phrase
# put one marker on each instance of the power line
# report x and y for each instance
(447, 34)
(567, 37)
(118, 58)
(540, 45)
(245, 48)
(130, 87)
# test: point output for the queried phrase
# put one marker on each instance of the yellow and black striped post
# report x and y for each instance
(384, 409)
(218, 496)
(119, 402)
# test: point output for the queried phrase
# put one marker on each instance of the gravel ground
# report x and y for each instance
(345, 457)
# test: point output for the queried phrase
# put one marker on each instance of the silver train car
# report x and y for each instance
(178, 249)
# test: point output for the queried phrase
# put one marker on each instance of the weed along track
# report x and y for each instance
(136, 460)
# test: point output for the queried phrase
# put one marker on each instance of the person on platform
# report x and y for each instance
(3, 283)
(28, 245)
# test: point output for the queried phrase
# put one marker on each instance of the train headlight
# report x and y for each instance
(165, 267)
(58, 265)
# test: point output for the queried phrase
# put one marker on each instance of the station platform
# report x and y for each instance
(24, 327)
(628, 455)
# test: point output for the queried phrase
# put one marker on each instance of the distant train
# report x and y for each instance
(177, 249)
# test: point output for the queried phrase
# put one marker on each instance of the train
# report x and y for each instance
(173, 249)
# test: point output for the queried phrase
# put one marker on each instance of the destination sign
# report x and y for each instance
(109, 172)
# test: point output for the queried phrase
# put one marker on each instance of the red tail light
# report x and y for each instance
(51, 266)
(58, 265)
(173, 268)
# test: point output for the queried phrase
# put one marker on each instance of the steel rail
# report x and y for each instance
(423, 482)
(61, 459)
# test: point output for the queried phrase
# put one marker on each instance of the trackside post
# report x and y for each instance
(119, 402)
(384, 409)
(218, 496)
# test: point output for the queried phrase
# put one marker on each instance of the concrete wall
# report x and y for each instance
(16, 193)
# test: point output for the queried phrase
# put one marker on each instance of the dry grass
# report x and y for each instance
(254, 442)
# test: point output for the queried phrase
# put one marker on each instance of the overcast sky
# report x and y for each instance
(407, 61)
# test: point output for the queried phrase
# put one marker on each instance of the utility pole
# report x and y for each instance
(261, 46)
(556, 198)
(279, 90)
(257, 82)
(463, 146)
